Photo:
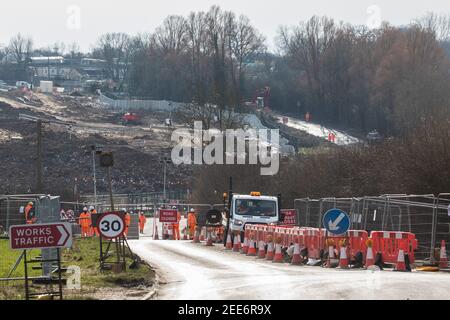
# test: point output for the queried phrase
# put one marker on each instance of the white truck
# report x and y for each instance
(251, 209)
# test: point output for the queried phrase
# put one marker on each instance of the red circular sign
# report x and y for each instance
(111, 225)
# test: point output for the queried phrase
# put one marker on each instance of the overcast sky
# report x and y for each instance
(83, 21)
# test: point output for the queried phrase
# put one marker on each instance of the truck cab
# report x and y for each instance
(252, 209)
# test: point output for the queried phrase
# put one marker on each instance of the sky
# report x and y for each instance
(83, 21)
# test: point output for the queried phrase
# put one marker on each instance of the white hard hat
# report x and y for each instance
(192, 210)
(174, 207)
(85, 209)
(91, 208)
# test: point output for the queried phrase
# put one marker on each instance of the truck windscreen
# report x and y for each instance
(263, 208)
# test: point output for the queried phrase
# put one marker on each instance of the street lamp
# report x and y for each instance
(165, 160)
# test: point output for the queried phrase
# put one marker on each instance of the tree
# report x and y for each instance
(20, 48)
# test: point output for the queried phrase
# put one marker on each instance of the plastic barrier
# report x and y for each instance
(388, 243)
(355, 242)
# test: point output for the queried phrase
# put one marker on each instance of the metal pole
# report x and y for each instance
(165, 197)
(27, 292)
(39, 157)
(110, 189)
(58, 250)
(95, 178)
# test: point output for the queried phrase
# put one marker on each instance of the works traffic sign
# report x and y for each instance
(289, 217)
(111, 225)
(168, 216)
(336, 221)
(40, 236)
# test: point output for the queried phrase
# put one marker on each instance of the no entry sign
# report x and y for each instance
(40, 236)
(168, 216)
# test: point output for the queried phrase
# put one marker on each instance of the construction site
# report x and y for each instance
(201, 159)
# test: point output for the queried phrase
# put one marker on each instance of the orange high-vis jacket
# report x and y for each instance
(27, 211)
(192, 220)
(177, 224)
(85, 220)
(127, 220)
(142, 219)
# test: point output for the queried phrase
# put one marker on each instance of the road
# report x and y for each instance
(195, 272)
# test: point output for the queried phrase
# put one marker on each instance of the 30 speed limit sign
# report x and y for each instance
(111, 225)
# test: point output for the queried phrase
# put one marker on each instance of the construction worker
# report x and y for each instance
(30, 214)
(93, 213)
(176, 226)
(192, 223)
(127, 219)
(85, 222)
(142, 221)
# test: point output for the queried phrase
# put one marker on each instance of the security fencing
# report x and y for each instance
(427, 216)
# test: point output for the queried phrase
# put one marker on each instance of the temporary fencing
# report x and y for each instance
(425, 216)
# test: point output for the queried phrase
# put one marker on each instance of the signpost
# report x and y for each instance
(289, 217)
(336, 222)
(41, 236)
(168, 216)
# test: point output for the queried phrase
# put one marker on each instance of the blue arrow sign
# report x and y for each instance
(336, 221)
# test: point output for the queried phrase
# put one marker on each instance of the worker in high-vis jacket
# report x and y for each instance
(93, 213)
(176, 226)
(85, 223)
(192, 223)
(142, 221)
(30, 214)
(127, 220)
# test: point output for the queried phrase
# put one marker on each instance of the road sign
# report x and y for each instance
(336, 221)
(40, 236)
(111, 225)
(168, 216)
(289, 217)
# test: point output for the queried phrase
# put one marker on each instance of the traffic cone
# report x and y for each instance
(251, 252)
(270, 252)
(229, 244)
(330, 255)
(237, 243)
(165, 232)
(156, 235)
(185, 236)
(278, 258)
(370, 261)
(170, 232)
(296, 258)
(443, 262)
(196, 236)
(202, 234)
(401, 265)
(261, 250)
(343, 260)
(245, 245)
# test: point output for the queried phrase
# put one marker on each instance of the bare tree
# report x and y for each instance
(20, 48)
(171, 36)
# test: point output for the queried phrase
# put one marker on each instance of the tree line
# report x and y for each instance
(388, 79)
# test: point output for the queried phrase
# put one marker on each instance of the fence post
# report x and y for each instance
(433, 228)
(7, 215)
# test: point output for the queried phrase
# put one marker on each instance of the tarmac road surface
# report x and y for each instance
(195, 272)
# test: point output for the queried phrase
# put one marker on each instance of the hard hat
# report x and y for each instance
(192, 210)
(174, 207)
(30, 203)
(91, 208)
(85, 209)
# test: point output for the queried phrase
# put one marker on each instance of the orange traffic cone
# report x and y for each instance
(370, 261)
(229, 244)
(443, 262)
(278, 255)
(237, 243)
(330, 255)
(251, 252)
(185, 236)
(202, 234)
(343, 260)
(170, 232)
(296, 258)
(261, 250)
(196, 236)
(270, 251)
(245, 245)
(401, 265)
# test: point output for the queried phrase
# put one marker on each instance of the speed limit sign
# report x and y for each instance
(111, 225)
